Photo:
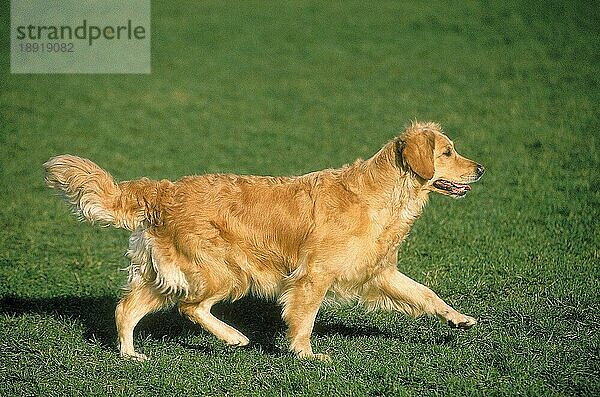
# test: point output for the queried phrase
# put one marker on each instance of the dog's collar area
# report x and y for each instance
(454, 188)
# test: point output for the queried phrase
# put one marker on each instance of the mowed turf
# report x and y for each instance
(284, 88)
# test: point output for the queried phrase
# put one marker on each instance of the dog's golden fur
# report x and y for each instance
(204, 239)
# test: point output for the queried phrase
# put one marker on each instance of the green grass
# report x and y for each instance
(290, 87)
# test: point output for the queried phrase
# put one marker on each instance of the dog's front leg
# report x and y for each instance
(301, 302)
(393, 290)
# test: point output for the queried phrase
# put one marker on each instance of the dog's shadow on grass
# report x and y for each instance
(259, 320)
(96, 314)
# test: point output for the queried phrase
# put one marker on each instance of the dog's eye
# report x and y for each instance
(447, 152)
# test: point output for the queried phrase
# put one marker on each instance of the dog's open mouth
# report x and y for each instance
(453, 188)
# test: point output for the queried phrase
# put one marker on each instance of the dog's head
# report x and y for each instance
(431, 156)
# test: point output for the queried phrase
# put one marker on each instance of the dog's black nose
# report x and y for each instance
(480, 170)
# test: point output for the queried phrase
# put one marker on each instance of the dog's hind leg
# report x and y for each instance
(199, 312)
(393, 290)
(139, 301)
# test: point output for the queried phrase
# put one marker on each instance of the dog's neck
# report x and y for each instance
(396, 195)
(388, 179)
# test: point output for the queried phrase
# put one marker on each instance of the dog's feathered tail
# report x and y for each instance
(93, 195)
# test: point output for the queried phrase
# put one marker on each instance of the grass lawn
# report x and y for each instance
(284, 88)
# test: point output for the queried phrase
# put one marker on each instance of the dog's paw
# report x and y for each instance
(237, 340)
(139, 357)
(462, 322)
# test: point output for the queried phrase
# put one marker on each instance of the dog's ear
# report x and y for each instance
(417, 152)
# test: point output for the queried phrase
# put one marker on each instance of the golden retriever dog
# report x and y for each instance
(209, 238)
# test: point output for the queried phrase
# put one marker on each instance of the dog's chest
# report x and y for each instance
(390, 225)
